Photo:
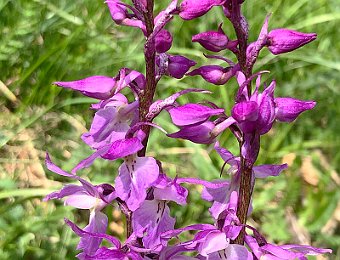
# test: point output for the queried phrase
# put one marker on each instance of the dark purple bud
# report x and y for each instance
(285, 40)
(191, 9)
(288, 109)
(100, 87)
(215, 74)
(190, 114)
(163, 41)
(245, 111)
(179, 65)
(212, 40)
(200, 134)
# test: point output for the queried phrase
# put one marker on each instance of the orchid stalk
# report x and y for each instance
(120, 131)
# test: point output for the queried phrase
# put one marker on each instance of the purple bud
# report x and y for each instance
(215, 74)
(288, 109)
(200, 134)
(285, 40)
(179, 65)
(163, 41)
(245, 111)
(190, 114)
(120, 15)
(100, 87)
(191, 9)
(211, 40)
(117, 10)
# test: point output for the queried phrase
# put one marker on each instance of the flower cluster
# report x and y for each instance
(121, 125)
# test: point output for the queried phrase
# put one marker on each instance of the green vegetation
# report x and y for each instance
(44, 41)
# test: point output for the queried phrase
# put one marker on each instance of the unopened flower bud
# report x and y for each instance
(163, 41)
(211, 40)
(191, 9)
(215, 74)
(288, 109)
(179, 65)
(285, 40)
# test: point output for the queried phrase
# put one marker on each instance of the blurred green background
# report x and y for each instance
(45, 41)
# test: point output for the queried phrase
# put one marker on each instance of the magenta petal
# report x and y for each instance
(285, 40)
(122, 148)
(215, 194)
(167, 189)
(100, 87)
(288, 109)
(150, 221)
(214, 241)
(88, 187)
(306, 250)
(97, 224)
(67, 190)
(238, 252)
(191, 9)
(190, 114)
(200, 134)
(87, 162)
(81, 200)
(263, 171)
(83, 233)
(106, 128)
(280, 252)
(173, 233)
(136, 175)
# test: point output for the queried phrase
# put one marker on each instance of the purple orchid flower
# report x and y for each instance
(136, 175)
(220, 195)
(111, 122)
(117, 251)
(87, 196)
(211, 242)
(153, 218)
